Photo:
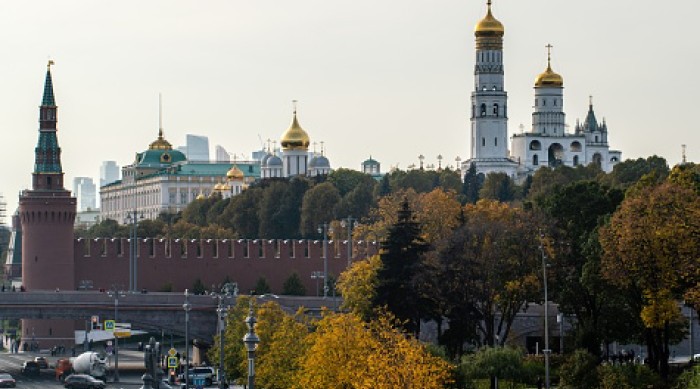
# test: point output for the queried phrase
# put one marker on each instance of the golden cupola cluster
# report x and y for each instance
(489, 26)
(549, 78)
(295, 138)
(235, 174)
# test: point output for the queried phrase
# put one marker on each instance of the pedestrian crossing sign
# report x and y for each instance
(109, 325)
(172, 362)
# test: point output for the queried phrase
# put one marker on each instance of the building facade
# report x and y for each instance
(109, 172)
(85, 192)
(548, 143)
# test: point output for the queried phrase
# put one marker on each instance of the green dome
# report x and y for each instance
(153, 157)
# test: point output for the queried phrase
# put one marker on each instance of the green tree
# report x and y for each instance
(261, 286)
(357, 202)
(579, 371)
(198, 287)
(384, 187)
(317, 207)
(243, 213)
(401, 262)
(293, 286)
(473, 182)
(498, 186)
(627, 173)
(502, 363)
(358, 286)
(577, 210)
(270, 213)
(346, 180)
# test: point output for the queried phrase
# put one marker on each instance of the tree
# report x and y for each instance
(546, 179)
(357, 202)
(651, 250)
(473, 182)
(577, 209)
(198, 287)
(345, 352)
(261, 286)
(489, 269)
(243, 213)
(346, 180)
(317, 207)
(494, 362)
(579, 371)
(293, 286)
(270, 214)
(358, 286)
(401, 261)
(438, 214)
(627, 173)
(498, 186)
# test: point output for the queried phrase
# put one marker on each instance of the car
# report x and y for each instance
(204, 373)
(30, 368)
(41, 361)
(6, 381)
(83, 381)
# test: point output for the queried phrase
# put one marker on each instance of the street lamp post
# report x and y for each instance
(376, 240)
(323, 229)
(546, 349)
(251, 341)
(116, 293)
(316, 275)
(187, 307)
(349, 222)
(227, 290)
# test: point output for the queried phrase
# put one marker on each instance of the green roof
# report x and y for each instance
(48, 99)
(156, 158)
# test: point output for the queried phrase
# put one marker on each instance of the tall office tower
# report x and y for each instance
(85, 192)
(109, 173)
(197, 148)
(221, 154)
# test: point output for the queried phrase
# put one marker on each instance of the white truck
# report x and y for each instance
(91, 363)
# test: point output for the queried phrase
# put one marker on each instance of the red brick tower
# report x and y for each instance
(47, 212)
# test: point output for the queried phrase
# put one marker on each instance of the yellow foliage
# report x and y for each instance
(358, 286)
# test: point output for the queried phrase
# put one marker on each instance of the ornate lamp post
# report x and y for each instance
(227, 290)
(187, 307)
(251, 341)
(349, 222)
(323, 229)
(116, 293)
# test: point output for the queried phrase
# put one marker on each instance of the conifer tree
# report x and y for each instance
(401, 258)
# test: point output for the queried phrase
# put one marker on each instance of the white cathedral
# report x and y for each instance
(547, 143)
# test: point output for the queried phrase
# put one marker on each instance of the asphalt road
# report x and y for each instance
(130, 371)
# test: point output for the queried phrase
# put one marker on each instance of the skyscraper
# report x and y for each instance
(85, 192)
(109, 172)
(196, 148)
(221, 154)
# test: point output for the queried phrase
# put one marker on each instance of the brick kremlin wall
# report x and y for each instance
(104, 263)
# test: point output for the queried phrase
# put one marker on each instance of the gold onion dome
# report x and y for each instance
(201, 196)
(235, 173)
(295, 138)
(489, 26)
(549, 78)
(219, 187)
(160, 143)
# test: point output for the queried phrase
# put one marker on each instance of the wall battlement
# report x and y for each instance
(176, 263)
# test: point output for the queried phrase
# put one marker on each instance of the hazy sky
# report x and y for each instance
(391, 79)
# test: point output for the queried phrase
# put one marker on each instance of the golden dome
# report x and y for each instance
(549, 78)
(489, 26)
(201, 196)
(218, 187)
(295, 138)
(160, 143)
(235, 173)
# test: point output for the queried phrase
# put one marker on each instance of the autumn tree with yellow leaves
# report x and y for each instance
(651, 249)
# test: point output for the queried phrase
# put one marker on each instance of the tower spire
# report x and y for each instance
(47, 155)
(549, 56)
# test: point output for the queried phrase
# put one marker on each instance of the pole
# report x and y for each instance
(325, 260)
(136, 247)
(350, 224)
(116, 339)
(546, 317)
(692, 336)
(186, 306)
(561, 333)
(222, 375)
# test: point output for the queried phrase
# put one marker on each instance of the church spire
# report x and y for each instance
(48, 172)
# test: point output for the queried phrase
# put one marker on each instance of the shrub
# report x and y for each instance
(579, 371)
(293, 286)
(627, 376)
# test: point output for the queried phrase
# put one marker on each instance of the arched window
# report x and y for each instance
(576, 146)
(483, 109)
(535, 145)
(495, 110)
(596, 139)
(555, 102)
(575, 160)
(535, 160)
(483, 142)
(544, 102)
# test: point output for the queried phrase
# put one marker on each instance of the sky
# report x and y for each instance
(383, 78)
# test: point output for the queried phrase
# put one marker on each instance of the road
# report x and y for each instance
(130, 371)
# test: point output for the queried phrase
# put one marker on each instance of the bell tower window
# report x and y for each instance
(495, 110)
(483, 109)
